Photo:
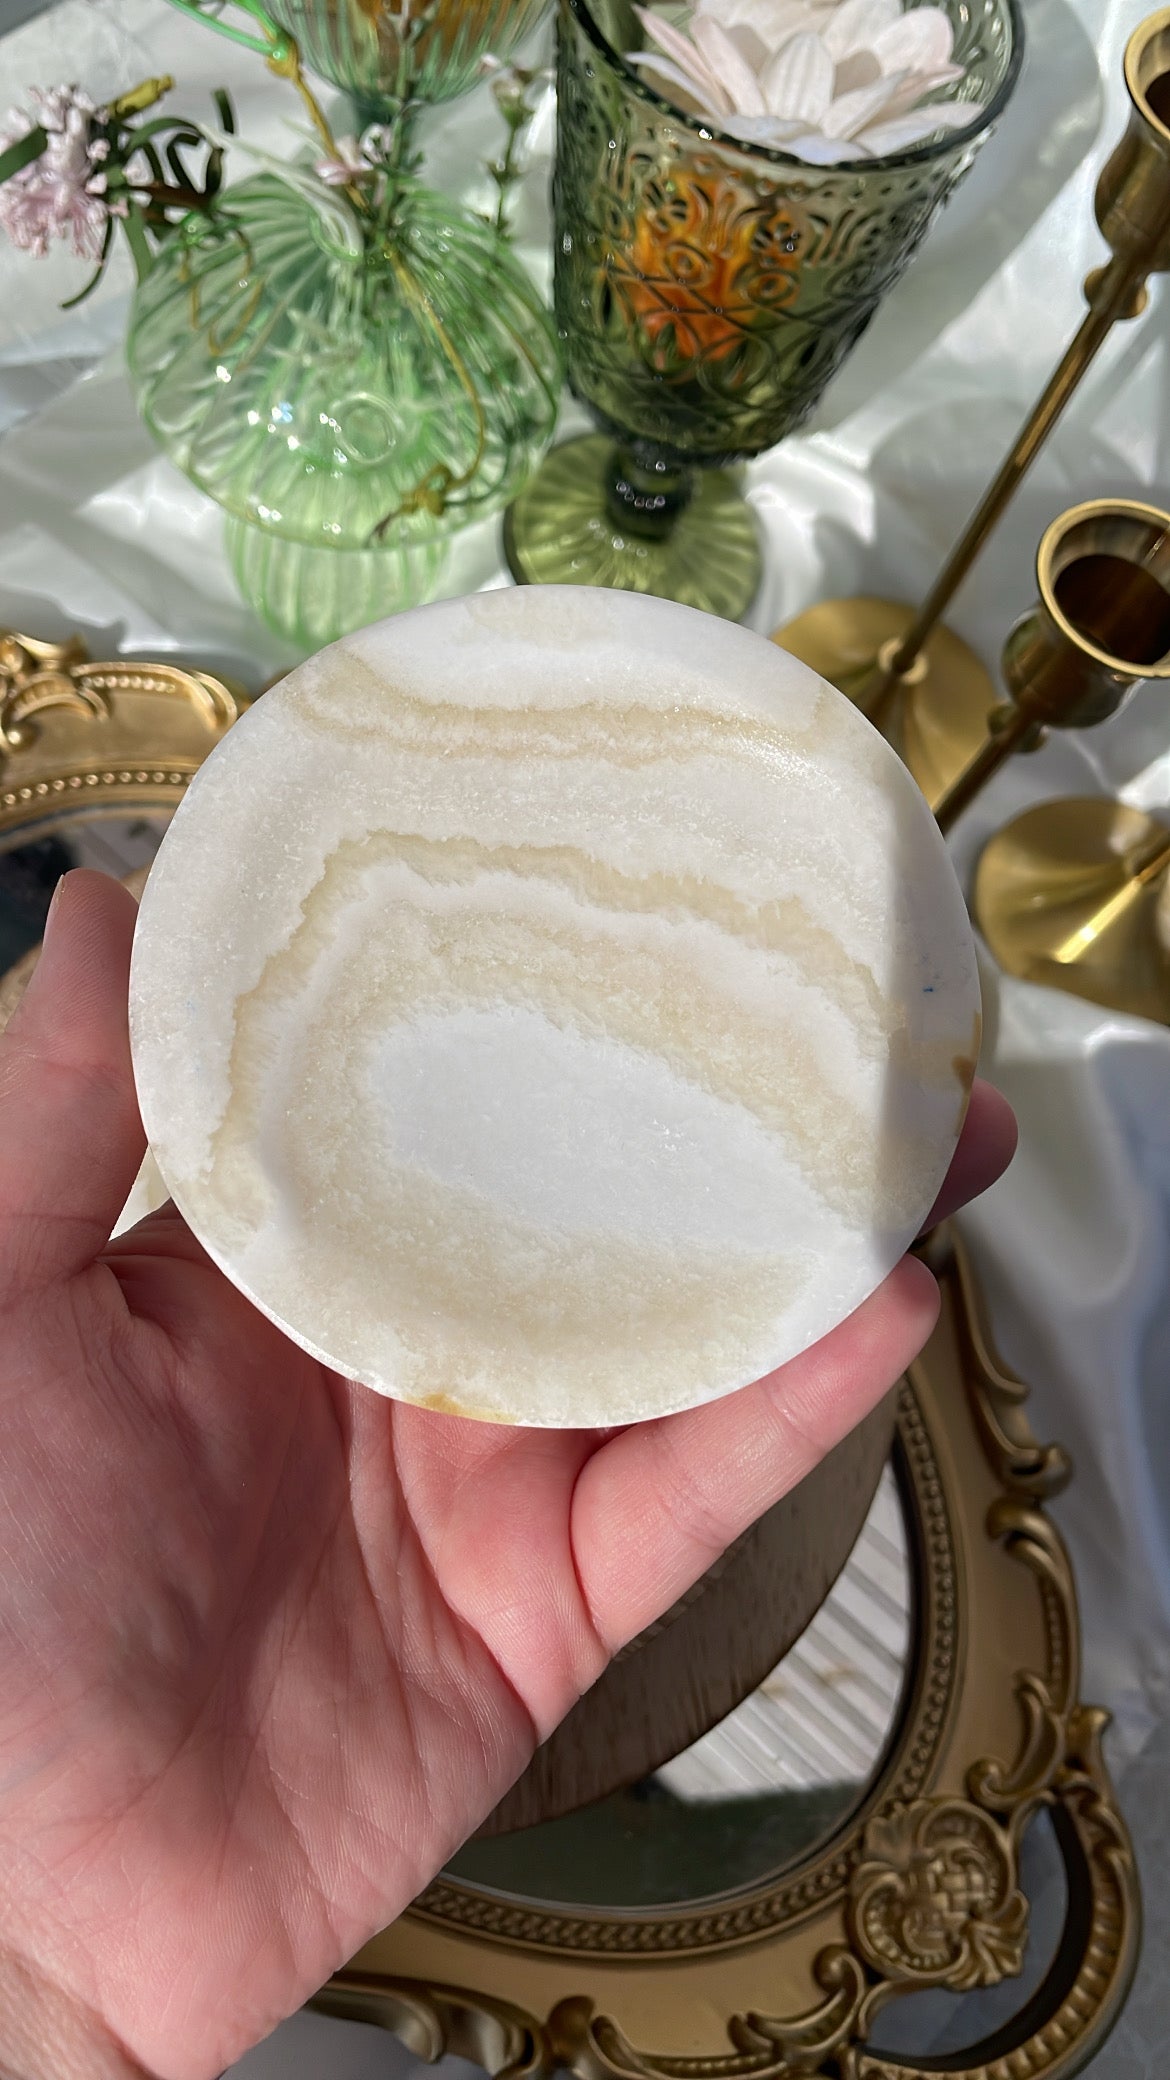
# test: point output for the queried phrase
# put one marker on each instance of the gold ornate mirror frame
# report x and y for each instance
(920, 1887)
(85, 739)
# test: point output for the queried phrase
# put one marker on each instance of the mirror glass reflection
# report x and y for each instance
(30, 868)
(765, 1786)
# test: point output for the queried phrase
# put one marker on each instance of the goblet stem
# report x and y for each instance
(634, 517)
(646, 492)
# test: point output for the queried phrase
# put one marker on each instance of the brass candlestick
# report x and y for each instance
(1101, 624)
(1076, 893)
(924, 688)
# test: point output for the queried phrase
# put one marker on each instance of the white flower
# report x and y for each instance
(62, 194)
(345, 165)
(514, 87)
(826, 80)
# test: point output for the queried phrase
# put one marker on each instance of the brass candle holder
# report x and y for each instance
(1076, 893)
(923, 687)
(1101, 624)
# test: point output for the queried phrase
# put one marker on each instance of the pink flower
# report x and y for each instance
(63, 193)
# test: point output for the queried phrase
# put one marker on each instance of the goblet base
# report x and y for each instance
(936, 717)
(561, 531)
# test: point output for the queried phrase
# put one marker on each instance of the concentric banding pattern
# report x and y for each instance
(554, 1005)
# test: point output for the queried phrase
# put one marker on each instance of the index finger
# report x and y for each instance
(70, 1137)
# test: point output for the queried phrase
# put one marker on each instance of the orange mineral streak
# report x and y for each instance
(705, 263)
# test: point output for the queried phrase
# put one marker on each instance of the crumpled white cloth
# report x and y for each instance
(99, 533)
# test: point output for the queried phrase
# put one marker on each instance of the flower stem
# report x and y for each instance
(506, 170)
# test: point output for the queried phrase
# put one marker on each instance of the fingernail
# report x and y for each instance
(52, 910)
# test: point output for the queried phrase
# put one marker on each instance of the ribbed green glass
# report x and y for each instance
(339, 399)
(312, 596)
(707, 290)
(361, 401)
(357, 44)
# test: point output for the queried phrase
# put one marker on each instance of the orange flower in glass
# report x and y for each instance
(705, 263)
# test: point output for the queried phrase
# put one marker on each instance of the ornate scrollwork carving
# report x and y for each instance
(997, 1397)
(437, 2021)
(38, 677)
(934, 1901)
(763, 2047)
(1099, 1960)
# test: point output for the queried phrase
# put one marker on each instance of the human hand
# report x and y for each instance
(272, 1646)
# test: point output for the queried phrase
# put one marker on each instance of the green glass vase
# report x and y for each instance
(342, 396)
(312, 596)
(706, 291)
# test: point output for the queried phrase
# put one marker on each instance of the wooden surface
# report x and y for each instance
(683, 1675)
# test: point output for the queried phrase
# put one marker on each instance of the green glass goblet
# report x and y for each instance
(370, 47)
(706, 291)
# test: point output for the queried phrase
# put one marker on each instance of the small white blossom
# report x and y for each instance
(61, 194)
(826, 80)
(354, 159)
(345, 165)
(516, 88)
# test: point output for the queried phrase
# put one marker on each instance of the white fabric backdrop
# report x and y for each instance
(98, 533)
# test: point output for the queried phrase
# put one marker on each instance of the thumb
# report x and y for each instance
(70, 1137)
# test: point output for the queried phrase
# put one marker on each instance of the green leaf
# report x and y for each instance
(213, 175)
(142, 131)
(134, 225)
(72, 302)
(225, 111)
(155, 164)
(22, 153)
(175, 161)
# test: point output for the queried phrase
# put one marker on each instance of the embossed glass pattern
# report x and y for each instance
(708, 290)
